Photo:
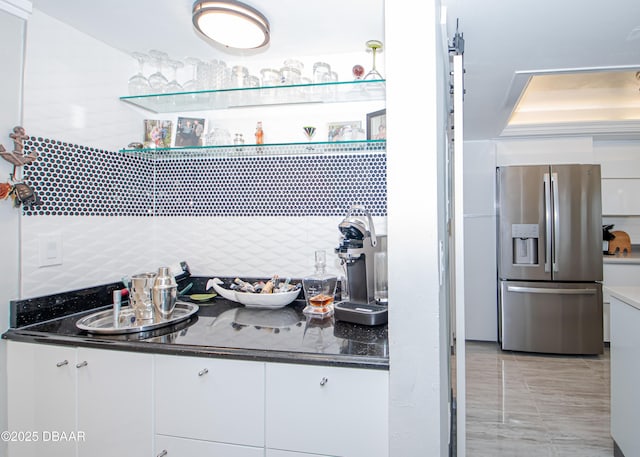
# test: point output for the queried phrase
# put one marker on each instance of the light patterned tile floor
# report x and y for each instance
(521, 405)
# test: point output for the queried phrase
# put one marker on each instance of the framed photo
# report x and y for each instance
(343, 131)
(377, 125)
(189, 131)
(157, 133)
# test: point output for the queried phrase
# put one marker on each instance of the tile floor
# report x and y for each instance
(521, 405)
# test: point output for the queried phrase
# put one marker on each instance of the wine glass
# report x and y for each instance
(192, 84)
(375, 46)
(173, 85)
(157, 80)
(138, 83)
(309, 131)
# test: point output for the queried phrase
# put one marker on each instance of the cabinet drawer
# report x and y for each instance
(171, 446)
(210, 399)
(327, 410)
(279, 453)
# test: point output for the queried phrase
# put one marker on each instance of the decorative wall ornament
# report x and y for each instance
(17, 157)
(21, 192)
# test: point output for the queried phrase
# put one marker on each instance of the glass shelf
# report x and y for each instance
(333, 92)
(260, 150)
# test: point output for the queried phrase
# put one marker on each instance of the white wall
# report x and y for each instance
(418, 341)
(11, 54)
(480, 241)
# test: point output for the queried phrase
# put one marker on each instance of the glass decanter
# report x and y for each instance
(319, 289)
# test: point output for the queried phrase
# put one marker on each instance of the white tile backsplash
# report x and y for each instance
(98, 250)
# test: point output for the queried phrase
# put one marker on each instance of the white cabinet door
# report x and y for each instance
(616, 274)
(625, 376)
(114, 403)
(620, 197)
(210, 399)
(279, 453)
(171, 446)
(327, 410)
(41, 399)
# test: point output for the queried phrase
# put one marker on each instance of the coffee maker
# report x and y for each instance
(357, 252)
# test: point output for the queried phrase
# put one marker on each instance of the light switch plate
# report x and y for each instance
(49, 250)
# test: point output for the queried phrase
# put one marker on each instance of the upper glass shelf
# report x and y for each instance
(333, 92)
(261, 150)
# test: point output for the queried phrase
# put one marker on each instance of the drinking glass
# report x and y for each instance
(138, 83)
(192, 84)
(375, 46)
(309, 132)
(173, 85)
(158, 80)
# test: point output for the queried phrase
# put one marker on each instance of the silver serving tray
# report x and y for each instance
(102, 321)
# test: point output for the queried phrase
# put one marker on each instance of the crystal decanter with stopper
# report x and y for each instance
(319, 289)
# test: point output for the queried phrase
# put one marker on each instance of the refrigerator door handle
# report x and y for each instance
(556, 219)
(547, 223)
(547, 290)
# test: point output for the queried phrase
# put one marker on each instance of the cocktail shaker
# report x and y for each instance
(141, 302)
(165, 293)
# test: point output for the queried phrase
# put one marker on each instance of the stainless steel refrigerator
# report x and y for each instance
(550, 258)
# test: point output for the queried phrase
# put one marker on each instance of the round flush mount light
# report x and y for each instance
(230, 23)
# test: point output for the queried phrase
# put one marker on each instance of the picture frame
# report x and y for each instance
(377, 125)
(189, 131)
(157, 133)
(343, 131)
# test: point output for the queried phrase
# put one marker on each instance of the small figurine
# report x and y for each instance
(18, 136)
(17, 157)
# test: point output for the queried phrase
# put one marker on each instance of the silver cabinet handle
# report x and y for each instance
(82, 364)
(203, 372)
(323, 381)
(163, 453)
(63, 363)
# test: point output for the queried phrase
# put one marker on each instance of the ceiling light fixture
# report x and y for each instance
(230, 23)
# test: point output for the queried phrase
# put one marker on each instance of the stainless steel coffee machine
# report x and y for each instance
(357, 251)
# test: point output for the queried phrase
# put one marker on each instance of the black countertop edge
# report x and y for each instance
(256, 355)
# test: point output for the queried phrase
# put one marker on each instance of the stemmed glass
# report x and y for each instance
(375, 46)
(192, 84)
(173, 85)
(309, 131)
(138, 84)
(157, 80)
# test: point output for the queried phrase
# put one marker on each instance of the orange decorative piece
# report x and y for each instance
(621, 242)
(5, 190)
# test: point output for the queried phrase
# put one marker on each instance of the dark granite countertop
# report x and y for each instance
(221, 328)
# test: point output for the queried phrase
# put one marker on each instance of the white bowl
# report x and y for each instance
(252, 300)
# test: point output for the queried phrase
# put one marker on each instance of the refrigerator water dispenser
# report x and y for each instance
(525, 244)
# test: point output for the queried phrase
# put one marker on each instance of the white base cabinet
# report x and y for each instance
(625, 376)
(171, 446)
(78, 402)
(118, 403)
(208, 399)
(280, 453)
(331, 411)
(616, 274)
(41, 382)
